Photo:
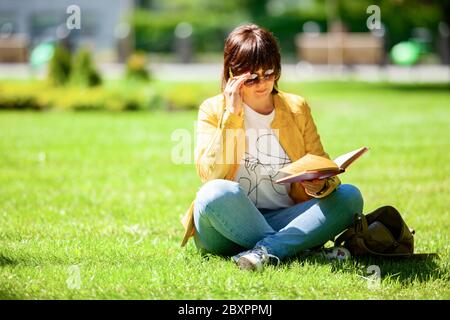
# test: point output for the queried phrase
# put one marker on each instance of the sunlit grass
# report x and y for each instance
(99, 191)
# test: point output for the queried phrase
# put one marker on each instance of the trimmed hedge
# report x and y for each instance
(42, 96)
(113, 96)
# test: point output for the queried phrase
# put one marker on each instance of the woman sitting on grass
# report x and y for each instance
(244, 136)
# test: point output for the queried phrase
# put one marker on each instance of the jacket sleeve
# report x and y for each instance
(216, 141)
(313, 145)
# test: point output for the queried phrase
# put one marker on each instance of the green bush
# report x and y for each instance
(186, 96)
(136, 67)
(155, 30)
(112, 96)
(59, 68)
(84, 73)
(41, 96)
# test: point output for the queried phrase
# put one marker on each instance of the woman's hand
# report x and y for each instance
(313, 186)
(232, 91)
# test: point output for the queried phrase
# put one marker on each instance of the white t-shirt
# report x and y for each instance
(263, 156)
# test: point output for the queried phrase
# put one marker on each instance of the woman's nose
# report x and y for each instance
(261, 84)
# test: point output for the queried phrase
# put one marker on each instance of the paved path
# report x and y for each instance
(290, 72)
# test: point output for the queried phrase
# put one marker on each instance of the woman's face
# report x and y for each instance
(261, 86)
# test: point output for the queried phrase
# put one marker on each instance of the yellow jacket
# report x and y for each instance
(296, 133)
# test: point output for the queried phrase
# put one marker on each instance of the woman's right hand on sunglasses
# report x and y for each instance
(233, 92)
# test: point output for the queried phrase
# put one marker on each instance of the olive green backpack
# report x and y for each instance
(382, 232)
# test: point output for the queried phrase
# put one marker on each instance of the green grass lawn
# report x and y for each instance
(90, 202)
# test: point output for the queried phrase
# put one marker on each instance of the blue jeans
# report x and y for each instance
(227, 222)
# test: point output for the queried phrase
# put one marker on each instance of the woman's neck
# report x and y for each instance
(263, 106)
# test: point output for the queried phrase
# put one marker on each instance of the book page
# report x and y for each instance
(345, 160)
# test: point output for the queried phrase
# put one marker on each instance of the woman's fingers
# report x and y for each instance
(232, 82)
(315, 181)
(313, 185)
(244, 75)
(308, 184)
(241, 78)
(233, 92)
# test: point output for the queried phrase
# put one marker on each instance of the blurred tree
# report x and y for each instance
(59, 68)
(213, 20)
(136, 68)
(399, 17)
(256, 8)
(210, 21)
(84, 73)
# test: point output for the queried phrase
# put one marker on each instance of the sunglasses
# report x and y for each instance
(269, 75)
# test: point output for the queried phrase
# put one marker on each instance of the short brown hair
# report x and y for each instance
(249, 48)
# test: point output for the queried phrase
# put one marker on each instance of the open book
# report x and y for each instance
(310, 167)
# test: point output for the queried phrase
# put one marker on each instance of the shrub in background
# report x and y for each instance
(136, 68)
(186, 96)
(59, 68)
(84, 73)
(113, 96)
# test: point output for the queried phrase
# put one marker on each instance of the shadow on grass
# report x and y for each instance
(408, 270)
(7, 261)
(405, 270)
(6, 295)
(420, 267)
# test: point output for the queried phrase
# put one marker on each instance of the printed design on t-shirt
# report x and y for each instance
(267, 165)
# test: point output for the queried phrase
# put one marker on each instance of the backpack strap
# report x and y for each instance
(344, 236)
(358, 228)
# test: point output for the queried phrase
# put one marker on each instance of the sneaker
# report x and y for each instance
(254, 259)
(336, 253)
